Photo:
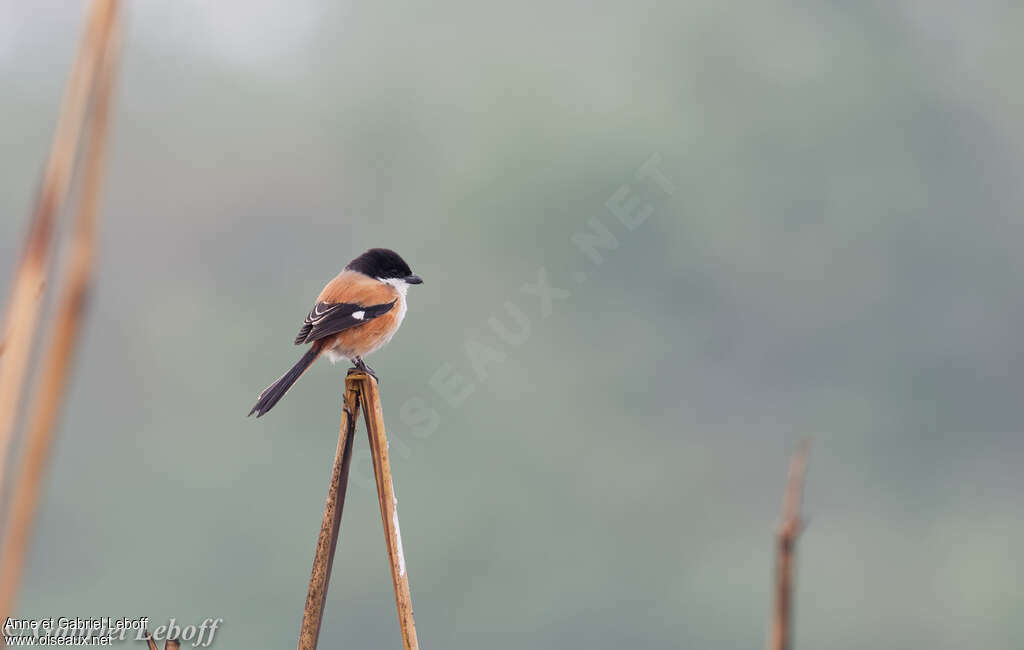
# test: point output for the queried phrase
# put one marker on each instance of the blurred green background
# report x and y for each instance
(840, 258)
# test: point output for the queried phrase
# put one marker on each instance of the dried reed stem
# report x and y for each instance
(786, 536)
(388, 507)
(323, 558)
(60, 348)
(22, 315)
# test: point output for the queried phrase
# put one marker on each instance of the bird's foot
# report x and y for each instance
(360, 366)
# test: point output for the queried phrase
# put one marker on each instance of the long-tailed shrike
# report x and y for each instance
(356, 313)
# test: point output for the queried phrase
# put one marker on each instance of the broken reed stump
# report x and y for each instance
(781, 637)
(360, 392)
(169, 644)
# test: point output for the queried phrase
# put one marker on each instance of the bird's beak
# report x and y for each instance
(413, 279)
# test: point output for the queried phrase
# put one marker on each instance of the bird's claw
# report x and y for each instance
(360, 366)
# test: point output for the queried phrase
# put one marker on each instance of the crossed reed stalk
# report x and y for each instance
(360, 392)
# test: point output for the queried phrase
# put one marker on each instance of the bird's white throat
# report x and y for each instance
(398, 283)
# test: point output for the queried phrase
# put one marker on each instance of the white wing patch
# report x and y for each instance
(358, 315)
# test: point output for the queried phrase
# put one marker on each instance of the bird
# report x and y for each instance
(356, 313)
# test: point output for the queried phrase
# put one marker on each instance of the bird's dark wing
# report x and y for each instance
(329, 318)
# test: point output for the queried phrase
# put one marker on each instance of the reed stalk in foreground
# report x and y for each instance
(21, 320)
(60, 348)
(360, 392)
(789, 530)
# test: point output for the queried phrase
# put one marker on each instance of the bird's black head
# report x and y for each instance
(383, 264)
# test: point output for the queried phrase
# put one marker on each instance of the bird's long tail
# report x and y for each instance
(272, 393)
